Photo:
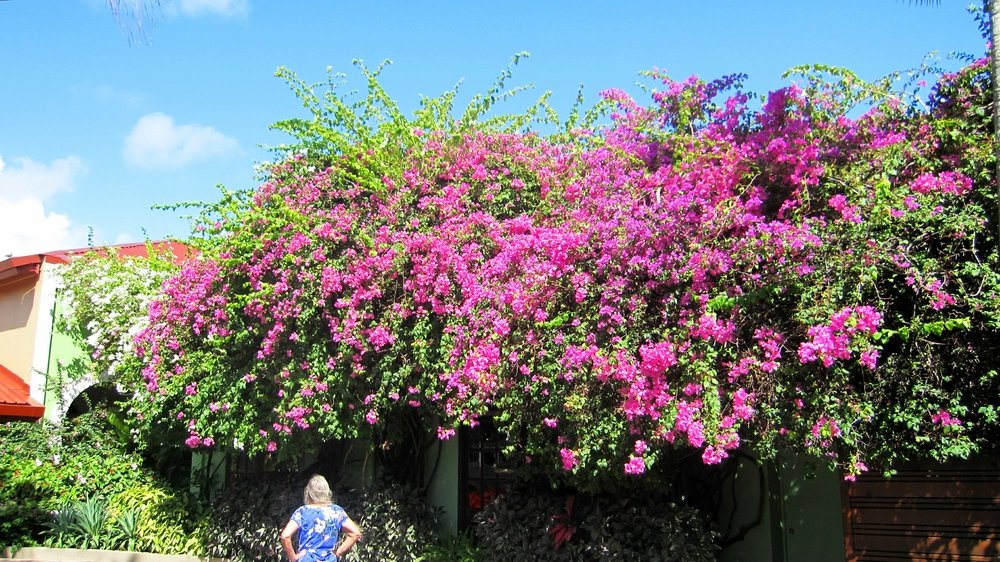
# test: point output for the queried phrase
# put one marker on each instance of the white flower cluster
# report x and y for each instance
(105, 303)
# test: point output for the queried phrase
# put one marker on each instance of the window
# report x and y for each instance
(482, 476)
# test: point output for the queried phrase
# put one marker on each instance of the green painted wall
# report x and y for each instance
(814, 526)
(745, 497)
(442, 491)
(208, 470)
(801, 519)
(64, 351)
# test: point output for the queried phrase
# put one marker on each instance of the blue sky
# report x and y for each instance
(95, 130)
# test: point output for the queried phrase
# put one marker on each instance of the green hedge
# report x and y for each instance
(46, 470)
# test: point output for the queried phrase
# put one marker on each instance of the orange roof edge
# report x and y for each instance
(19, 261)
(15, 401)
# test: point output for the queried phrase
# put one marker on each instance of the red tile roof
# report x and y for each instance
(15, 403)
(135, 250)
(19, 267)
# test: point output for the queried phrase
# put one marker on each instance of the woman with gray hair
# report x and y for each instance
(319, 523)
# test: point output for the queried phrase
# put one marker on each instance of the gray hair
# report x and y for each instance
(317, 491)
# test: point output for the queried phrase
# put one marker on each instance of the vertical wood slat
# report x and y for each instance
(845, 502)
(926, 511)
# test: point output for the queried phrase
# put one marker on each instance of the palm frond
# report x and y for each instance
(135, 17)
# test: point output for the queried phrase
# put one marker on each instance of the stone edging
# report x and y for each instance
(42, 554)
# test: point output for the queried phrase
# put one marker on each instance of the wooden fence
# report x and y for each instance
(927, 511)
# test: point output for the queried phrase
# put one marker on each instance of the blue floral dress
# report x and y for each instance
(319, 529)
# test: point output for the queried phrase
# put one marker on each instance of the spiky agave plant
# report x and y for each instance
(60, 531)
(91, 522)
(125, 529)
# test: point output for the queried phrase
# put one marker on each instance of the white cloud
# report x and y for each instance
(194, 8)
(25, 227)
(156, 142)
(38, 181)
(108, 94)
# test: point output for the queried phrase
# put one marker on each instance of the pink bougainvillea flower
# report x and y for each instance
(569, 460)
(943, 417)
(635, 465)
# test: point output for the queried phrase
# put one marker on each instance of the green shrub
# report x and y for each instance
(397, 525)
(459, 548)
(523, 527)
(42, 466)
(650, 532)
(515, 527)
(250, 513)
(23, 503)
(90, 524)
(60, 529)
(46, 471)
(125, 532)
(166, 523)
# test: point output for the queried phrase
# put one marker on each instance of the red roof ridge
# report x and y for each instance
(132, 249)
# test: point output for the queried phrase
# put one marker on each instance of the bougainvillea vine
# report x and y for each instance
(700, 272)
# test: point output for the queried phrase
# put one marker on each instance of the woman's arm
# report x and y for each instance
(286, 540)
(353, 534)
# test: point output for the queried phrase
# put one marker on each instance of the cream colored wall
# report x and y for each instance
(45, 302)
(19, 303)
